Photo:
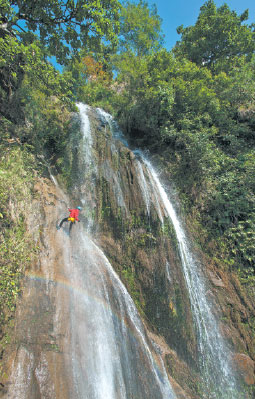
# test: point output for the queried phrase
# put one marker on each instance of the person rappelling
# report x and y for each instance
(72, 218)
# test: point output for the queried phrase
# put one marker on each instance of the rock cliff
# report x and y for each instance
(140, 242)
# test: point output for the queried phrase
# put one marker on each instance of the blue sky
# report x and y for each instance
(185, 12)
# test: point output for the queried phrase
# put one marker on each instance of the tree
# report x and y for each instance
(63, 26)
(18, 61)
(140, 29)
(31, 31)
(217, 38)
(140, 36)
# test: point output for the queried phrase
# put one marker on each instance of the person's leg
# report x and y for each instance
(70, 227)
(62, 221)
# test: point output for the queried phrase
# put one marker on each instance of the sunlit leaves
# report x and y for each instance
(140, 29)
(32, 32)
(217, 37)
(63, 27)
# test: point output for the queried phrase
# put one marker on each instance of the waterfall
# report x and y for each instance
(80, 335)
(88, 167)
(111, 356)
(214, 356)
(87, 136)
(218, 377)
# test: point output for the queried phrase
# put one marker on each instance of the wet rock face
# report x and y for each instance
(140, 243)
(36, 357)
(247, 367)
(141, 249)
(144, 253)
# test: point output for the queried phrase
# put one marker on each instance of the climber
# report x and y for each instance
(73, 216)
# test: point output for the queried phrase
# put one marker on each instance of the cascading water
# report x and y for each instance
(111, 356)
(219, 381)
(214, 357)
(88, 166)
(117, 133)
(85, 339)
(87, 137)
(143, 186)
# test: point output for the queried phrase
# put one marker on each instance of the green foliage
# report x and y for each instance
(217, 39)
(145, 104)
(140, 29)
(140, 35)
(18, 61)
(242, 237)
(48, 123)
(199, 112)
(62, 28)
(100, 95)
(16, 246)
(30, 33)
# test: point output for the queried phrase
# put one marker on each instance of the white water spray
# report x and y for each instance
(112, 358)
(215, 362)
(87, 136)
(116, 132)
(214, 356)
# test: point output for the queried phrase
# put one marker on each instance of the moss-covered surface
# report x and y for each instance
(143, 251)
(17, 247)
(27, 151)
(138, 245)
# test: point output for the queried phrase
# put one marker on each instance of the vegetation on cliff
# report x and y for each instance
(17, 247)
(192, 106)
(36, 102)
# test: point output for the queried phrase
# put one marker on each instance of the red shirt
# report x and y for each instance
(74, 213)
